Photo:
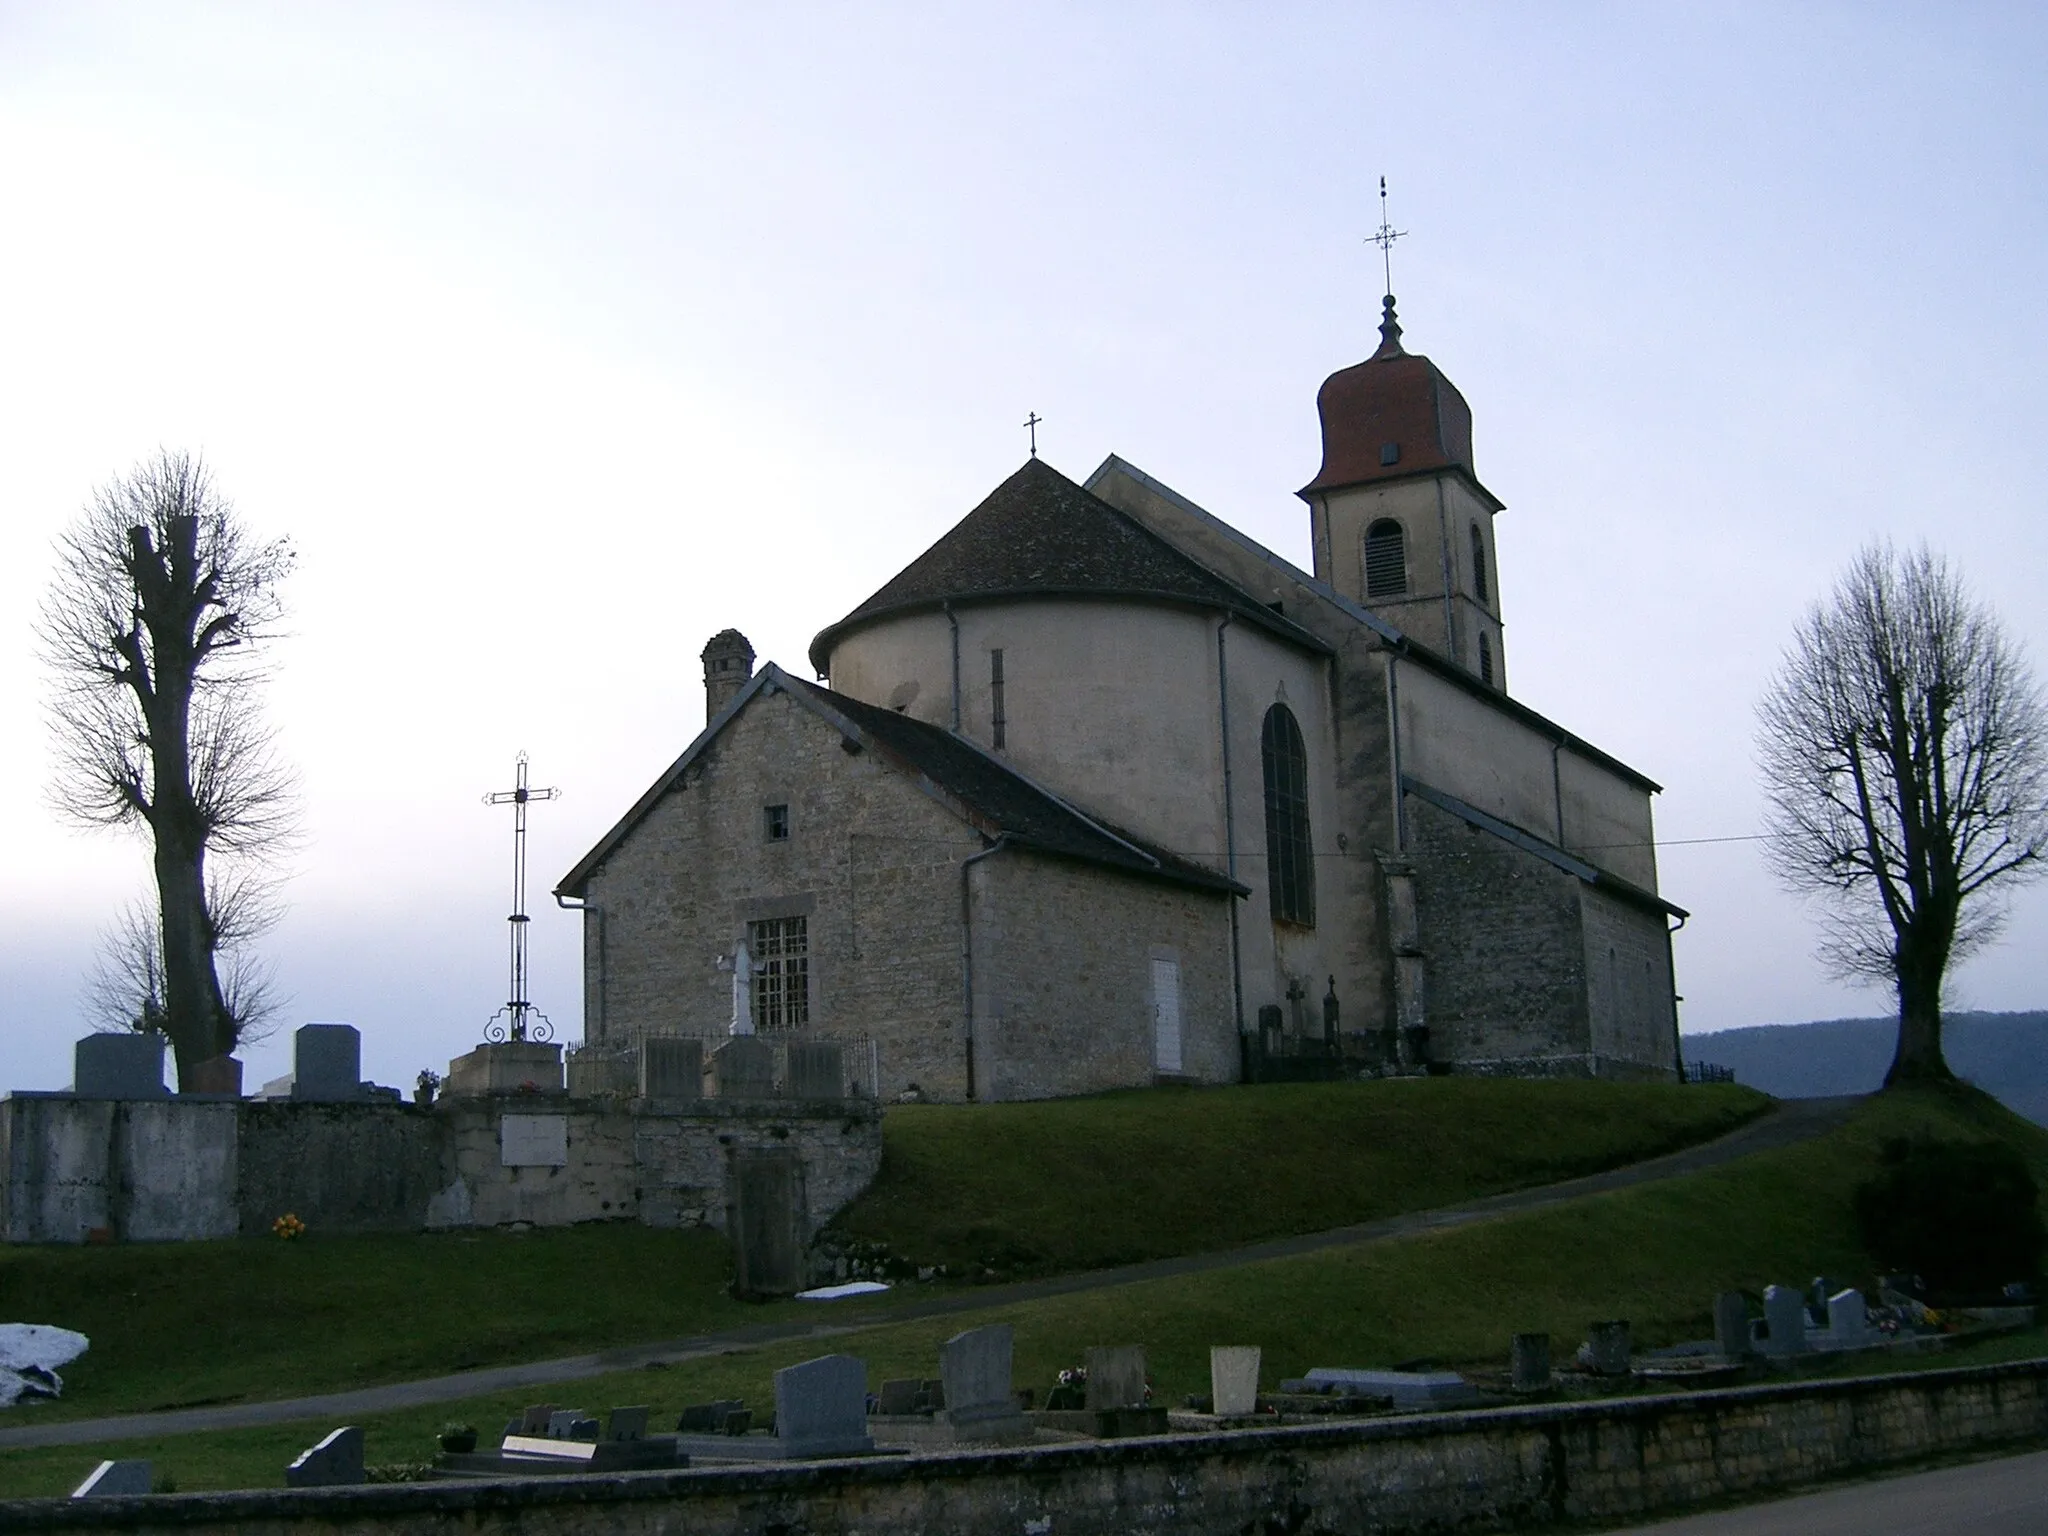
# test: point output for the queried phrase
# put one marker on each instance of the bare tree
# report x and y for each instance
(1904, 750)
(152, 630)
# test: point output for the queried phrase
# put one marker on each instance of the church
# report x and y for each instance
(1098, 792)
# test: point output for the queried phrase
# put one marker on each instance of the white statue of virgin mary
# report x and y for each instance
(742, 991)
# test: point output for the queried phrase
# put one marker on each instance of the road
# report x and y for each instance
(2008, 1497)
(1789, 1122)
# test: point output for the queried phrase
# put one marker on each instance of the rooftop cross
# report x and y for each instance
(1032, 421)
(517, 1009)
(1384, 237)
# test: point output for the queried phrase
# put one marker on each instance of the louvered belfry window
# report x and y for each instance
(1479, 565)
(1290, 862)
(1386, 559)
(782, 972)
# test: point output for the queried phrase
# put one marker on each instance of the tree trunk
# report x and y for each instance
(195, 1015)
(1918, 1058)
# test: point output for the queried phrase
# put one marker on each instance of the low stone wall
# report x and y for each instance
(1499, 1469)
(183, 1168)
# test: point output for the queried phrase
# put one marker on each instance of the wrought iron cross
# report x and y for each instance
(1384, 237)
(523, 1021)
(1031, 422)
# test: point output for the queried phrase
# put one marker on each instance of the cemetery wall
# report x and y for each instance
(175, 1169)
(1501, 1469)
(1084, 1022)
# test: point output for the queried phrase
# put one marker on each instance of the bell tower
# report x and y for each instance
(1400, 520)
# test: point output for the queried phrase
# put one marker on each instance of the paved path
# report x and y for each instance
(1985, 1498)
(1793, 1120)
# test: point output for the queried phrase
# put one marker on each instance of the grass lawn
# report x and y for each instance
(1654, 1254)
(1047, 1188)
(1078, 1182)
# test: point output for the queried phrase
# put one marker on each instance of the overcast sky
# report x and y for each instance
(558, 338)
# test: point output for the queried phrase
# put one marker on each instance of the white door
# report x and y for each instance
(1166, 1015)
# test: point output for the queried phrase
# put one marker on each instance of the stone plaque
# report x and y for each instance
(1233, 1379)
(534, 1141)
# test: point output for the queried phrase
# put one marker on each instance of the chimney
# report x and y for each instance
(728, 663)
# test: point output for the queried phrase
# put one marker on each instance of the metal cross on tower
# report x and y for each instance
(1032, 423)
(523, 1021)
(1384, 237)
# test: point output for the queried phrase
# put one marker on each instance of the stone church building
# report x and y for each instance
(1097, 792)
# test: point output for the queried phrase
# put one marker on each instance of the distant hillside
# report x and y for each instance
(2005, 1054)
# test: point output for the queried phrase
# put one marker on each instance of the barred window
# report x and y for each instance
(1479, 565)
(1386, 559)
(998, 721)
(782, 972)
(1290, 861)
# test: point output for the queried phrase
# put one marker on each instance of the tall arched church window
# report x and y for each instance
(1485, 657)
(1290, 863)
(1479, 565)
(1386, 559)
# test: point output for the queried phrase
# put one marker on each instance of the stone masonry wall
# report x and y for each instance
(1063, 978)
(338, 1167)
(1604, 1462)
(871, 862)
(1500, 934)
(1629, 983)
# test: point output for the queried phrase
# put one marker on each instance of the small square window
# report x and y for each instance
(1390, 453)
(775, 823)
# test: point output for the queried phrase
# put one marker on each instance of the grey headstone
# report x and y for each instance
(671, 1069)
(1116, 1377)
(115, 1477)
(743, 1068)
(901, 1396)
(765, 1223)
(821, 1407)
(817, 1070)
(1731, 1325)
(974, 1385)
(1529, 1363)
(708, 1418)
(327, 1063)
(123, 1066)
(563, 1423)
(1608, 1343)
(1784, 1321)
(336, 1462)
(534, 1420)
(1234, 1379)
(1849, 1319)
(626, 1424)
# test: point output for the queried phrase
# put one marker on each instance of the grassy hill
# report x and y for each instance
(1653, 1253)
(2005, 1054)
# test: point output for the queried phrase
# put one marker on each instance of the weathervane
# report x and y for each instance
(1384, 237)
(1032, 423)
(523, 1021)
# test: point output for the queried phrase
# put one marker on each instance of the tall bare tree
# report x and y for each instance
(1904, 750)
(152, 630)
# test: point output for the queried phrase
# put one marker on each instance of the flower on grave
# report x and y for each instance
(288, 1227)
(1074, 1376)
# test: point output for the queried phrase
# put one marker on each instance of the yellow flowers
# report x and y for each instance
(288, 1226)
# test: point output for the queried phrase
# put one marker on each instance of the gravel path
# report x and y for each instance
(1792, 1121)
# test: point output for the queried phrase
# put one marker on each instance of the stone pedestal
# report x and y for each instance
(216, 1075)
(518, 1066)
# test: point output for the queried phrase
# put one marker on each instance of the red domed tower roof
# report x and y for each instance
(1392, 416)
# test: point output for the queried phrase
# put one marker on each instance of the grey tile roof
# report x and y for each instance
(1038, 534)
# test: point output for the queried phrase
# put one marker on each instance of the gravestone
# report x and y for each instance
(569, 1424)
(817, 1070)
(1608, 1345)
(533, 1141)
(1849, 1320)
(671, 1069)
(764, 1221)
(1529, 1363)
(904, 1395)
(336, 1462)
(123, 1066)
(821, 1407)
(709, 1418)
(1406, 1390)
(534, 1420)
(1784, 1322)
(217, 1074)
(327, 1064)
(1116, 1377)
(974, 1377)
(743, 1068)
(110, 1478)
(1731, 1326)
(626, 1424)
(1234, 1379)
